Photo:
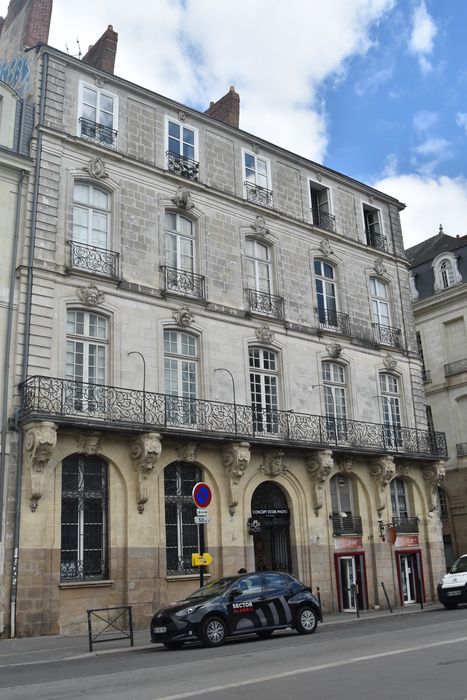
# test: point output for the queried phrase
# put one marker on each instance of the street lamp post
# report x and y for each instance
(137, 352)
(224, 369)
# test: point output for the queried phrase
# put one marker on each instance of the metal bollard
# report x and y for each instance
(386, 596)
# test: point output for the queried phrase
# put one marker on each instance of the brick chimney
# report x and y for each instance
(26, 24)
(102, 55)
(227, 109)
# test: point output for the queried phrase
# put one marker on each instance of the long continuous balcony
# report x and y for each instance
(461, 449)
(387, 335)
(108, 407)
(334, 321)
(183, 282)
(264, 303)
(346, 524)
(98, 133)
(456, 367)
(89, 258)
(258, 195)
(186, 167)
(407, 526)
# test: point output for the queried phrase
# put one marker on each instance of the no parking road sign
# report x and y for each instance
(202, 494)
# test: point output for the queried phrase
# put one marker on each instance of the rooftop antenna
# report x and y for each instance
(77, 55)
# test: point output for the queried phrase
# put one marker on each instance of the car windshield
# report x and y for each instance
(459, 566)
(216, 587)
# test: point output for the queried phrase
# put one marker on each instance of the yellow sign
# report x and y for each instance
(201, 559)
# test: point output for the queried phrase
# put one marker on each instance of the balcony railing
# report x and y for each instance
(324, 220)
(346, 524)
(386, 335)
(334, 321)
(91, 259)
(186, 167)
(461, 449)
(426, 375)
(258, 195)
(109, 407)
(98, 133)
(406, 526)
(377, 240)
(264, 303)
(183, 282)
(455, 367)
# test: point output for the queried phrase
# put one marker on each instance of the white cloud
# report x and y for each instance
(461, 120)
(430, 202)
(424, 120)
(422, 36)
(277, 55)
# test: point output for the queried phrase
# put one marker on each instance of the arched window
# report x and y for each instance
(264, 388)
(84, 518)
(446, 271)
(335, 400)
(390, 407)
(447, 276)
(91, 215)
(181, 376)
(180, 529)
(326, 294)
(86, 358)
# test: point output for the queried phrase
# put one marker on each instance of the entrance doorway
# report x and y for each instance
(271, 538)
(410, 577)
(351, 581)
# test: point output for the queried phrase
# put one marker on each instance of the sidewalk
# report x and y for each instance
(33, 650)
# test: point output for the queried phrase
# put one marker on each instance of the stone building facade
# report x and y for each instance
(207, 306)
(439, 292)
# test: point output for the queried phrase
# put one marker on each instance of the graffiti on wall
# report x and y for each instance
(15, 72)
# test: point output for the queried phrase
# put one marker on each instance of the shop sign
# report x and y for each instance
(270, 512)
(348, 543)
(407, 541)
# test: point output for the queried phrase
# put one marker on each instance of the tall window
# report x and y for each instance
(179, 242)
(181, 372)
(390, 404)
(180, 511)
(374, 234)
(258, 261)
(333, 376)
(182, 150)
(321, 207)
(446, 274)
(91, 215)
(84, 518)
(399, 499)
(98, 115)
(86, 358)
(446, 271)
(380, 302)
(264, 389)
(257, 179)
(326, 294)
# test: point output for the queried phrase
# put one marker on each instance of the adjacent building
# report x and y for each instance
(205, 305)
(439, 292)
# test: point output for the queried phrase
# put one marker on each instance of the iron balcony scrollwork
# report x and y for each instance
(324, 220)
(98, 133)
(455, 367)
(387, 335)
(180, 165)
(184, 282)
(259, 195)
(80, 403)
(406, 525)
(334, 321)
(344, 524)
(92, 259)
(264, 303)
(377, 240)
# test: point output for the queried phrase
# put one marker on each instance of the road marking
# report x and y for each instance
(307, 669)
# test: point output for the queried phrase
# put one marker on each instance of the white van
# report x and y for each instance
(452, 589)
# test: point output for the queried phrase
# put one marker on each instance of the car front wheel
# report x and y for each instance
(213, 632)
(306, 620)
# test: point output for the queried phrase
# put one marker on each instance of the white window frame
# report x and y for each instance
(369, 209)
(265, 411)
(91, 209)
(257, 263)
(182, 404)
(179, 236)
(80, 394)
(378, 301)
(100, 91)
(181, 125)
(317, 187)
(333, 377)
(267, 187)
(437, 264)
(396, 493)
(391, 408)
(325, 282)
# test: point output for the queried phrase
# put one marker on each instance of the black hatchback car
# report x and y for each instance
(255, 603)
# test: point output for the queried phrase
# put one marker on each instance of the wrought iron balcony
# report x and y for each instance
(186, 167)
(92, 259)
(334, 321)
(259, 195)
(426, 375)
(346, 524)
(183, 282)
(264, 303)
(386, 335)
(377, 240)
(461, 449)
(456, 367)
(98, 133)
(407, 526)
(107, 407)
(324, 220)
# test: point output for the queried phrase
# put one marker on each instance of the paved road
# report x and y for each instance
(401, 658)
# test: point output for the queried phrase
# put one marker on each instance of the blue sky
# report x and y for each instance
(376, 89)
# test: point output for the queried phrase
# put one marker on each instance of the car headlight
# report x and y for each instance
(186, 611)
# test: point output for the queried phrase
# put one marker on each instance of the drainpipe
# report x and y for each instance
(27, 339)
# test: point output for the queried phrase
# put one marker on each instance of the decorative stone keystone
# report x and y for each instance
(381, 471)
(319, 466)
(236, 458)
(260, 226)
(89, 443)
(145, 452)
(378, 267)
(390, 362)
(264, 334)
(91, 296)
(96, 168)
(183, 317)
(273, 463)
(182, 199)
(334, 350)
(433, 475)
(39, 442)
(186, 451)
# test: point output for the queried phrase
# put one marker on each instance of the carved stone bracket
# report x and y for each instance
(433, 475)
(187, 451)
(89, 442)
(236, 458)
(145, 452)
(319, 466)
(39, 442)
(381, 471)
(273, 463)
